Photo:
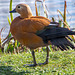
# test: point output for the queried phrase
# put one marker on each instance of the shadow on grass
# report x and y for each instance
(7, 70)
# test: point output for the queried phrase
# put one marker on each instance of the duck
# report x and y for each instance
(38, 31)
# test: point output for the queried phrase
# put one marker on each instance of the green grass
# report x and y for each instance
(60, 63)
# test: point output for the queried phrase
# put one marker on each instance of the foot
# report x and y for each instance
(30, 65)
(43, 63)
(33, 65)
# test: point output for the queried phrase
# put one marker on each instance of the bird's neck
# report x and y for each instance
(27, 15)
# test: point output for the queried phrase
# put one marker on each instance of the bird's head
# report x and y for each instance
(23, 9)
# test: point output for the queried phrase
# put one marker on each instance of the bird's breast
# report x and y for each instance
(24, 30)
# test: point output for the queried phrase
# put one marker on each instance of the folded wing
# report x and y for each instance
(58, 36)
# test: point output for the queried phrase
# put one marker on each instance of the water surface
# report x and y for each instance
(52, 6)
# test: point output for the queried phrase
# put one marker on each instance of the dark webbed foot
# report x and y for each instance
(43, 63)
(30, 65)
(33, 65)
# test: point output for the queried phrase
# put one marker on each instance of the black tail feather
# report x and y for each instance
(62, 43)
(69, 44)
(69, 38)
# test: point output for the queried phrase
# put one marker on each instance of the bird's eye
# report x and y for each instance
(18, 6)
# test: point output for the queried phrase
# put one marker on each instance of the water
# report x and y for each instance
(52, 6)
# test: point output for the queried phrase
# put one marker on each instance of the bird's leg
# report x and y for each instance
(34, 60)
(47, 57)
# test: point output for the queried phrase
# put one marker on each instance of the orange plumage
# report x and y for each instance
(24, 29)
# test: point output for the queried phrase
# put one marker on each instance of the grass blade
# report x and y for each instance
(9, 20)
(44, 6)
(0, 36)
(63, 17)
(11, 10)
(65, 12)
(36, 9)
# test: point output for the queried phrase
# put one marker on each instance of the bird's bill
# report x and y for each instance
(13, 11)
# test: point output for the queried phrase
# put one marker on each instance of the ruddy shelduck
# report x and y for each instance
(37, 31)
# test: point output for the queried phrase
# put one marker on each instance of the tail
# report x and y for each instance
(62, 43)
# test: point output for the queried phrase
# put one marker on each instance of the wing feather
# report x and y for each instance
(58, 36)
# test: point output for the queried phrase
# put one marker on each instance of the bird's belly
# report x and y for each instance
(29, 40)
